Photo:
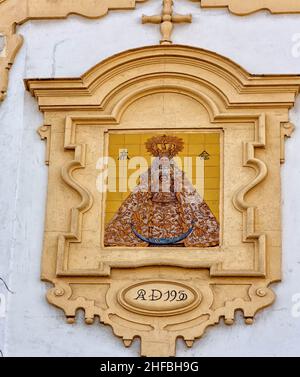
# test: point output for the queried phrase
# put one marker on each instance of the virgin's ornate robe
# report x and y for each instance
(163, 215)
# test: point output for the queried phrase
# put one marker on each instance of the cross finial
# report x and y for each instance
(166, 21)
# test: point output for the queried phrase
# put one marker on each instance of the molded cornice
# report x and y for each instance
(255, 89)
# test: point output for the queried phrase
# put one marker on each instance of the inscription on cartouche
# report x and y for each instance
(159, 298)
(161, 295)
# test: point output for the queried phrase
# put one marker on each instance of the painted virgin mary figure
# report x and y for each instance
(164, 209)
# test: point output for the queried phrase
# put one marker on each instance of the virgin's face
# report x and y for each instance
(164, 161)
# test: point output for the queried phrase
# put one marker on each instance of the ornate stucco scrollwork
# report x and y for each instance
(45, 134)
(242, 8)
(16, 12)
(286, 131)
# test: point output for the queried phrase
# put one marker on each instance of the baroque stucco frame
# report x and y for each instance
(13, 13)
(251, 110)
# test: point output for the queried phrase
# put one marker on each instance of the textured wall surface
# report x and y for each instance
(261, 43)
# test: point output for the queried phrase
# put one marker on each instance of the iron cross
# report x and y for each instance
(166, 21)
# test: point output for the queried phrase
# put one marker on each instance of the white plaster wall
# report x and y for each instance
(261, 43)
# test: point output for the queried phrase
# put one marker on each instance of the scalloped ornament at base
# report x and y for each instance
(205, 307)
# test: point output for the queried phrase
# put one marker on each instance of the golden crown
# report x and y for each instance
(164, 146)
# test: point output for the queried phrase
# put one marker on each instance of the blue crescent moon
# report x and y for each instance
(163, 241)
